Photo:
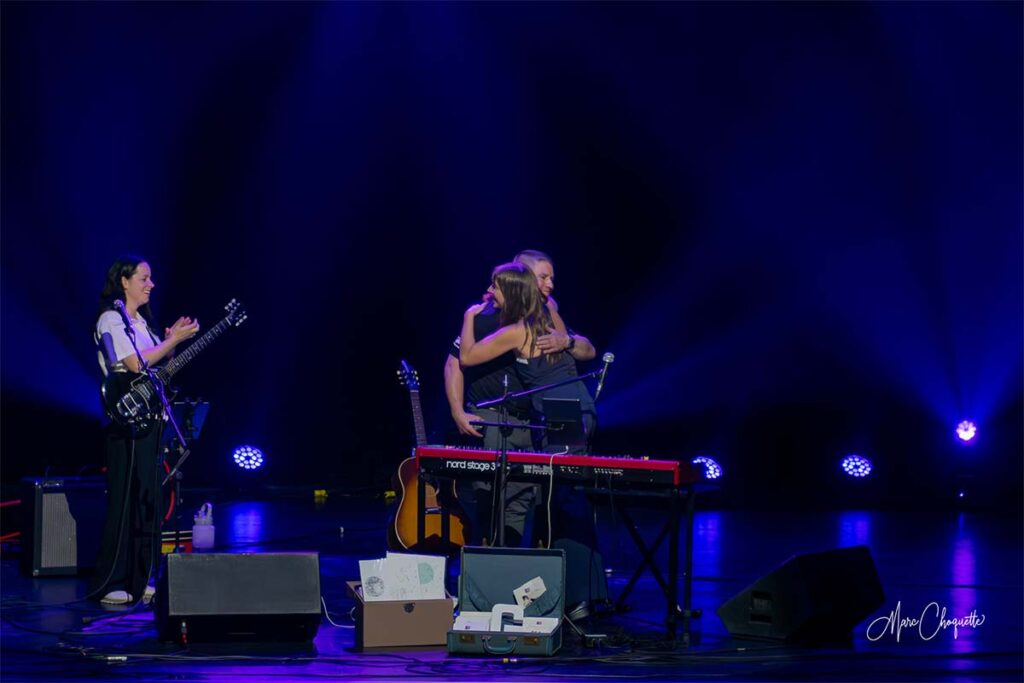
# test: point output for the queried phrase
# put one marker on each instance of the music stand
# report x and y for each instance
(564, 420)
(191, 415)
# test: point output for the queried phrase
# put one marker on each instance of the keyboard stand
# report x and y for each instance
(596, 475)
(681, 512)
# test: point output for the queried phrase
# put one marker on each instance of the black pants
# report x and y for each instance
(130, 545)
(476, 497)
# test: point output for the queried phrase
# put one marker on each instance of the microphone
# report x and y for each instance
(608, 359)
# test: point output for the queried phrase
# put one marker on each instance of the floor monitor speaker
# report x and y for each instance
(813, 598)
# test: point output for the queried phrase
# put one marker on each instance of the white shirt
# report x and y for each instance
(111, 326)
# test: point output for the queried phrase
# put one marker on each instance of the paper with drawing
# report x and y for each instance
(401, 576)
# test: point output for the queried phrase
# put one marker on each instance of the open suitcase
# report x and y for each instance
(488, 577)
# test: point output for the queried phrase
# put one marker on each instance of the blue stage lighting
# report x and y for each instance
(248, 457)
(966, 431)
(712, 470)
(856, 466)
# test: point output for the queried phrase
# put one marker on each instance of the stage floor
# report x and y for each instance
(962, 561)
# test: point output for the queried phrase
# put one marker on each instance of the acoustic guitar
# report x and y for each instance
(402, 530)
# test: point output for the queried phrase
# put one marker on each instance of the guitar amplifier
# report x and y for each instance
(61, 524)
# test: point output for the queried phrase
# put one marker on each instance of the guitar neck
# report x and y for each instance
(183, 358)
(417, 417)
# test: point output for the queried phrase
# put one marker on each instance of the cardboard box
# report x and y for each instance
(397, 623)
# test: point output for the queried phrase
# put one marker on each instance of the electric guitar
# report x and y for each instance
(402, 531)
(130, 399)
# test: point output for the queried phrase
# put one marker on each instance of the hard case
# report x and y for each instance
(488, 577)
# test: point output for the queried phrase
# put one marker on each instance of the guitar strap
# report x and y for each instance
(102, 352)
(152, 337)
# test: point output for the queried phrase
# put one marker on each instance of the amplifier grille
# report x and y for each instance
(59, 542)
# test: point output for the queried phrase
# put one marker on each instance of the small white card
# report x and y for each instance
(534, 625)
(529, 591)
(472, 621)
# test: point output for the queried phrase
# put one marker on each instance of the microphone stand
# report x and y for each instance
(505, 430)
(504, 433)
(183, 452)
(529, 392)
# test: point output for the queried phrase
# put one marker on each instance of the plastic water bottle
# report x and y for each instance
(202, 529)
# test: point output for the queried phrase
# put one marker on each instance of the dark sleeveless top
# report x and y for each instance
(535, 372)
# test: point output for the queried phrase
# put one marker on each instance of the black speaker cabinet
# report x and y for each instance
(814, 598)
(219, 597)
(61, 524)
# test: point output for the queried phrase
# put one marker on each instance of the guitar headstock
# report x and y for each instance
(408, 377)
(236, 313)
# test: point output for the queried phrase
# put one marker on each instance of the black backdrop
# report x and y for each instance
(798, 226)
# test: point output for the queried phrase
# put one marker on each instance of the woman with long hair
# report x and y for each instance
(514, 291)
(130, 545)
(524, 319)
